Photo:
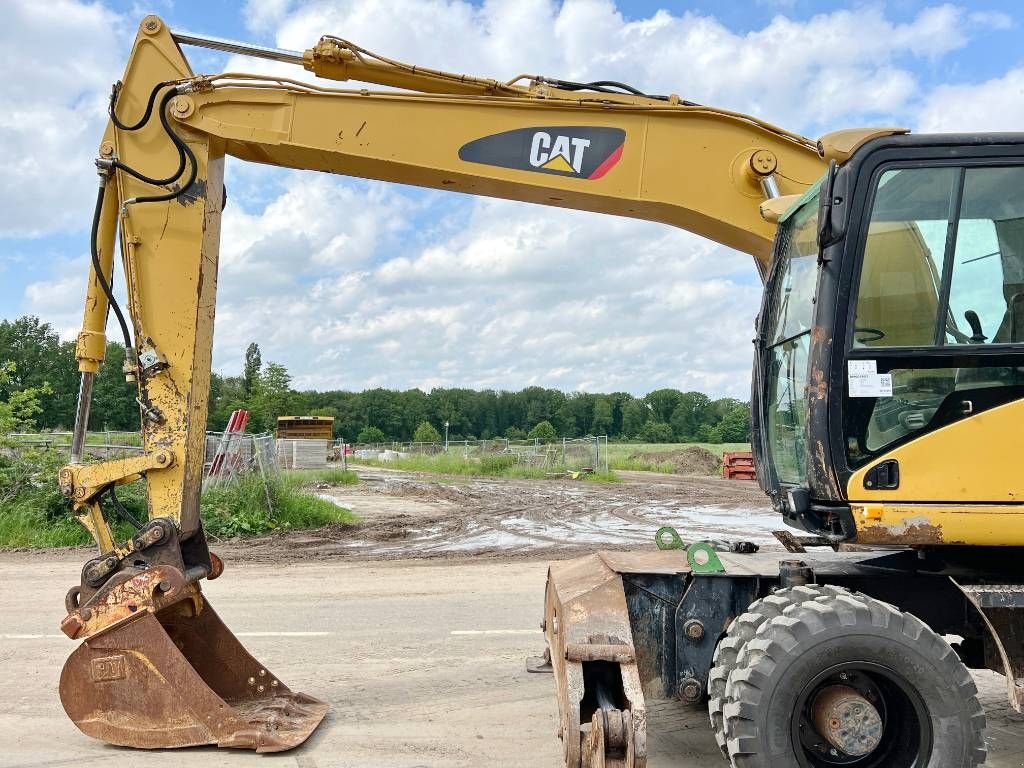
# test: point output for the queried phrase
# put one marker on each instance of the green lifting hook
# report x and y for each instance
(700, 555)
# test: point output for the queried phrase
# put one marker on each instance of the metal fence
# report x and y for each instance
(98, 445)
(230, 455)
(568, 454)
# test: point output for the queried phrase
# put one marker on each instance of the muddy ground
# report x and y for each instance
(407, 515)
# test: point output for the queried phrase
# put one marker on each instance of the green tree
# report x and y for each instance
(542, 431)
(515, 433)
(603, 420)
(425, 433)
(634, 415)
(20, 407)
(271, 397)
(113, 399)
(40, 359)
(662, 403)
(735, 425)
(657, 432)
(371, 435)
(253, 367)
(692, 411)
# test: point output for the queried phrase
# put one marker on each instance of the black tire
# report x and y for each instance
(933, 720)
(742, 630)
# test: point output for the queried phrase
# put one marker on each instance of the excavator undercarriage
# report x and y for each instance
(623, 628)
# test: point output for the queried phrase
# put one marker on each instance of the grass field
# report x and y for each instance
(499, 465)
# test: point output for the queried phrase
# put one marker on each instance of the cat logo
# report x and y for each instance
(581, 151)
(564, 154)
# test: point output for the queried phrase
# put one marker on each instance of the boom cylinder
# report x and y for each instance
(82, 417)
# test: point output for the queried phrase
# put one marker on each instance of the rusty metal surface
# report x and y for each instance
(585, 605)
(666, 562)
(910, 532)
(738, 465)
(125, 597)
(620, 654)
(1010, 640)
(847, 720)
(610, 741)
(179, 678)
(798, 544)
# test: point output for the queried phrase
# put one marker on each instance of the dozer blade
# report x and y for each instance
(602, 715)
(177, 677)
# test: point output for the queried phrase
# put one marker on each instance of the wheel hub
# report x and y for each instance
(847, 720)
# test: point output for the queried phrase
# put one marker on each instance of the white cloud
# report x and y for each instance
(520, 295)
(60, 300)
(995, 105)
(59, 59)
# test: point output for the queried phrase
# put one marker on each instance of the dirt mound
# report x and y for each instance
(692, 460)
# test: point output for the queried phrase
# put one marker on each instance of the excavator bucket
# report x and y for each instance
(605, 644)
(178, 677)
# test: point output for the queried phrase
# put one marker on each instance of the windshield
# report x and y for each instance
(787, 338)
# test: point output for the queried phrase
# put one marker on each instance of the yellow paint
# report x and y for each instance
(91, 516)
(964, 477)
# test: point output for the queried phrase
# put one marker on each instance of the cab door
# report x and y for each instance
(932, 413)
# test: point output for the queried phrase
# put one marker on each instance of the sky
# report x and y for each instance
(354, 284)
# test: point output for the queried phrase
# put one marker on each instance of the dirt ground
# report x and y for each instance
(405, 515)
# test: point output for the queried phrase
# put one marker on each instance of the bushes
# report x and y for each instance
(497, 465)
(241, 508)
(33, 513)
(370, 435)
(545, 430)
(425, 433)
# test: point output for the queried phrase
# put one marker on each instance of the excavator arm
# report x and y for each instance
(147, 628)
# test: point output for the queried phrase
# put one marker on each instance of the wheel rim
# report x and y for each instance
(906, 736)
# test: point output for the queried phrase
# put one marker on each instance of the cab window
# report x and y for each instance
(986, 296)
(901, 271)
(942, 268)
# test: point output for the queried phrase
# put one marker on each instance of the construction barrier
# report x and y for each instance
(738, 465)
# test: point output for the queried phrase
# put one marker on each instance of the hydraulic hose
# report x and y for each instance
(98, 268)
(178, 144)
(185, 155)
(112, 107)
(122, 512)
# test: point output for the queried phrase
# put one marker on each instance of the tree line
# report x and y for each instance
(35, 358)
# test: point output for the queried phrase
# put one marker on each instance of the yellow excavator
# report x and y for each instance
(888, 407)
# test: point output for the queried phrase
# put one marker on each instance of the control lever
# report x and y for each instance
(977, 337)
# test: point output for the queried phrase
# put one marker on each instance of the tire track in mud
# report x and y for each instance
(405, 515)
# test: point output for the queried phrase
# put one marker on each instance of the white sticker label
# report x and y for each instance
(862, 368)
(871, 385)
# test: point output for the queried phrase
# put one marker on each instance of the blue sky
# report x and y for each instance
(402, 287)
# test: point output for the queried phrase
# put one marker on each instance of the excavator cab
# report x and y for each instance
(908, 323)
